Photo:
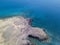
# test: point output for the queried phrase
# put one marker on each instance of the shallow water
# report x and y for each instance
(44, 14)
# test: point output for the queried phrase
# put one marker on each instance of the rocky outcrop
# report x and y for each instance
(15, 31)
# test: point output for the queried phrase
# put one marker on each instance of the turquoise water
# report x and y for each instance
(44, 14)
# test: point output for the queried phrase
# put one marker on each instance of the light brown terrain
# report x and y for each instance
(15, 31)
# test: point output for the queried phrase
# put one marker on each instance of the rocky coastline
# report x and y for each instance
(15, 31)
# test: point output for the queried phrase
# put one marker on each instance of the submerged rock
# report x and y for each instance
(15, 31)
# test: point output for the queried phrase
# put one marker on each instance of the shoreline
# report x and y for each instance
(34, 31)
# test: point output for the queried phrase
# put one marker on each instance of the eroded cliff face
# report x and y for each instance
(15, 31)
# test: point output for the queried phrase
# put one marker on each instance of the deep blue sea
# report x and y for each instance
(44, 14)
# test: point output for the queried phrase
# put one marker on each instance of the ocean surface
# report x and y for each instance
(44, 14)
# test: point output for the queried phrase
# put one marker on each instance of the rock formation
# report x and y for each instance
(15, 31)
